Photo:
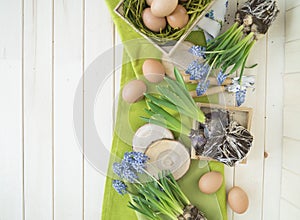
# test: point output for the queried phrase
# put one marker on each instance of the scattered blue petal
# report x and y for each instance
(221, 77)
(198, 51)
(120, 187)
(226, 3)
(240, 96)
(202, 87)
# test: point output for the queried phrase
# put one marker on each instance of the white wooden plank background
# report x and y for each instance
(45, 46)
(38, 110)
(11, 117)
(289, 203)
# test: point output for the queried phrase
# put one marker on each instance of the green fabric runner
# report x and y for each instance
(114, 205)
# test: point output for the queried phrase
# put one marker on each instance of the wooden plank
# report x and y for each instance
(289, 4)
(68, 160)
(291, 89)
(245, 177)
(291, 122)
(288, 211)
(11, 144)
(274, 106)
(292, 30)
(99, 37)
(292, 52)
(290, 187)
(37, 109)
(290, 155)
(229, 99)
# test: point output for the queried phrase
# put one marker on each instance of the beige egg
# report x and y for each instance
(149, 2)
(162, 8)
(179, 18)
(238, 200)
(210, 182)
(152, 22)
(153, 70)
(134, 91)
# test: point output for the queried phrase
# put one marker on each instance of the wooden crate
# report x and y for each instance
(166, 49)
(242, 115)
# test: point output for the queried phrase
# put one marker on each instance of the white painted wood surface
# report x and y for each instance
(290, 195)
(44, 54)
(11, 117)
(38, 110)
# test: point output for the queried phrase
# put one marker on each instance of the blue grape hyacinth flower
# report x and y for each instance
(129, 173)
(202, 87)
(240, 96)
(125, 171)
(193, 68)
(221, 77)
(198, 51)
(197, 70)
(118, 169)
(120, 187)
(137, 160)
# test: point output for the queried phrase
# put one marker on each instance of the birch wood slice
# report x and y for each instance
(148, 134)
(168, 155)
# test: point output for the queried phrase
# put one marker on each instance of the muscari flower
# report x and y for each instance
(202, 87)
(125, 171)
(120, 187)
(197, 70)
(247, 82)
(221, 77)
(198, 51)
(240, 96)
(137, 160)
(118, 169)
(128, 172)
(193, 67)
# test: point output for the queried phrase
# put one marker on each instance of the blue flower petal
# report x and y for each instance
(193, 67)
(240, 96)
(118, 169)
(202, 87)
(198, 51)
(221, 77)
(128, 172)
(120, 187)
(136, 160)
(197, 70)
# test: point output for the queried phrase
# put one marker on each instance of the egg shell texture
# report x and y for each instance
(134, 91)
(153, 70)
(162, 8)
(179, 18)
(152, 22)
(238, 200)
(210, 182)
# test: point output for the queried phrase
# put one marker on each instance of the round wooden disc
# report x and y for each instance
(168, 155)
(147, 134)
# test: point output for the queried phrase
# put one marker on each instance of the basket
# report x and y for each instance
(169, 47)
